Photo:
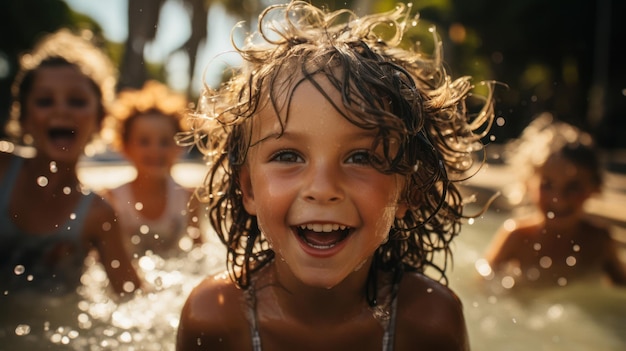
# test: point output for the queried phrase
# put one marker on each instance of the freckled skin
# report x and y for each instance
(558, 245)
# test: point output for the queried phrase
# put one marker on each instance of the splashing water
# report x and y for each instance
(93, 320)
(578, 316)
(581, 317)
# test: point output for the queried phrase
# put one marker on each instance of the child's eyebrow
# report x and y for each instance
(295, 136)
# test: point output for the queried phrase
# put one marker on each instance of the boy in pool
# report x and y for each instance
(329, 185)
(48, 221)
(152, 208)
(557, 244)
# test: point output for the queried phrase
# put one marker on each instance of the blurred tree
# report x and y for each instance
(199, 12)
(143, 17)
(22, 23)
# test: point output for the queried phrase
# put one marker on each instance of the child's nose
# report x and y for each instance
(323, 184)
(60, 109)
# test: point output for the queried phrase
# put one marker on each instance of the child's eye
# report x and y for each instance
(360, 157)
(44, 101)
(286, 156)
(573, 189)
(77, 102)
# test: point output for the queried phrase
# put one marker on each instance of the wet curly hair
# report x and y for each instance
(544, 137)
(402, 94)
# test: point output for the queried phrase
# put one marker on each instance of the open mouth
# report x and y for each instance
(62, 135)
(323, 236)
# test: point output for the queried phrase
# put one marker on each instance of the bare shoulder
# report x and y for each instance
(214, 317)
(598, 230)
(430, 316)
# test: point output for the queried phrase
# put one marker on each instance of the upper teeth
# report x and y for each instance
(326, 228)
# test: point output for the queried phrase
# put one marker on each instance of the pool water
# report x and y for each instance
(585, 316)
(588, 315)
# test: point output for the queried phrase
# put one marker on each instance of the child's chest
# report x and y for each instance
(39, 212)
(558, 257)
(350, 335)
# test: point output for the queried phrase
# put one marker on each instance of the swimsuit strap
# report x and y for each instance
(388, 337)
(9, 180)
(390, 331)
(254, 330)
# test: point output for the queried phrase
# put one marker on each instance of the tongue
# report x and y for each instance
(322, 239)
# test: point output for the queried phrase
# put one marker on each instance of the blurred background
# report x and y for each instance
(560, 56)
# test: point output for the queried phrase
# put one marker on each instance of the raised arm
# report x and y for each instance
(104, 235)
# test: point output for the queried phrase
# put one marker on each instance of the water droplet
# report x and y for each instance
(545, 262)
(555, 311)
(550, 215)
(144, 229)
(126, 337)
(508, 282)
(129, 286)
(509, 225)
(42, 181)
(67, 190)
(53, 167)
(19, 269)
(73, 216)
(533, 274)
(483, 268)
(22, 329)
(138, 206)
(570, 261)
(115, 264)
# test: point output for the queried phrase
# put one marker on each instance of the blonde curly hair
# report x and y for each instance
(153, 97)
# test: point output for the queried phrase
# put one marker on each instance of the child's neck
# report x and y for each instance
(563, 228)
(315, 303)
(51, 176)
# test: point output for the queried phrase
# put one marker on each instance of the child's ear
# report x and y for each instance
(245, 184)
(401, 209)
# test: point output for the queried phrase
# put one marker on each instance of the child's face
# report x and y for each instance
(322, 206)
(151, 147)
(61, 112)
(562, 188)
